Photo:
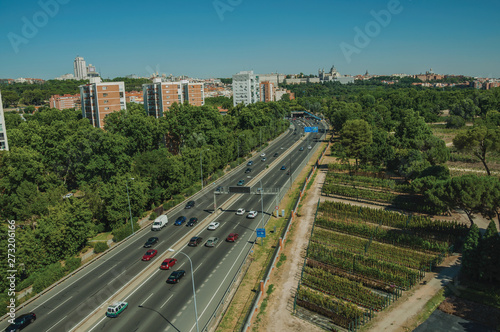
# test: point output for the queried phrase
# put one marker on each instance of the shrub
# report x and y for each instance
(101, 247)
(123, 231)
(455, 121)
(47, 277)
(73, 263)
(153, 216)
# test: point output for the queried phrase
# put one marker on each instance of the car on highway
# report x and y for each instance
(195, 240)
(301, 148)
(180, 221)
(252, 214)
(275, 155)
(219, 190)
(263, 154)
(115, 309)
(232, 237)
(176, 276)
(250, 163)
(190, 204)
(212, 241)
(192, 221)
(150, 242)
(168, 263)
(213, 226)
(149, 254)
(248, 170)
(20, 322)
(240, 211)
(283, 167)
(241, 182)
(309, 147)
(263, 159)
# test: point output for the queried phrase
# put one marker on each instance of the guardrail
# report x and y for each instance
(255, 303)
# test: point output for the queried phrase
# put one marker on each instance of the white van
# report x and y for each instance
(159, 223)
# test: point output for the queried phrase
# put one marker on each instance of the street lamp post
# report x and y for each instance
(129, 209)
(194, 291)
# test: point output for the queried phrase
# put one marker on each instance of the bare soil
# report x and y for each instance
(469, 310)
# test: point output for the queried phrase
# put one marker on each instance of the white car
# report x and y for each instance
(262, 154)
(240, 212)
(213, 226)
(252, 214)
(309, 147)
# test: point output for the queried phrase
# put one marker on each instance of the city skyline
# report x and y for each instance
(219, 38)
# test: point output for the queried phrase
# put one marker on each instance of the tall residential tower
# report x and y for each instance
(4, 145)
(80, 68)
(245, 88)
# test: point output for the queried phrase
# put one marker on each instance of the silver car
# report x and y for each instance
(212, 241)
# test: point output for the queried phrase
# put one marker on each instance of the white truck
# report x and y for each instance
(159, 223)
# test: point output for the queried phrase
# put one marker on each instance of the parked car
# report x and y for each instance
(195, 241)
(250, 163)
(252, 214)
(283, 167)
(176, 276)
(115, 309)
(213, 226)
(232, 237)
(159, 223)
(193, 221)
(212, 241)
(180, 221)
(149, 254)
(67, 195)
(248, 170)
(240, 211)
(190, 204)
(168, 263)
(241, 182)
(20, 322)
(150, 242)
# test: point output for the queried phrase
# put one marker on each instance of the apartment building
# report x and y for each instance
(159, 96)
(267, 91)
(64, 101)
(245, 88)
(4, 144)
(99, 99)
(80, 68)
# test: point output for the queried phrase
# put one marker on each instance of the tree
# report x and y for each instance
(471, 257)
(489, 250)
(354, 136)
(465, 108)
(10, 98)
(480, 142)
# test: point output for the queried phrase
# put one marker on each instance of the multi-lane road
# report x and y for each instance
(155, 305)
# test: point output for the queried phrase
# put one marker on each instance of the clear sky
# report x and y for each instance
(217, 38)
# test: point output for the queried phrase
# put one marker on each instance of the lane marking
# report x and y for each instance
(107, 271)
(60, 305)
(57, 323)
(197, 268)
(147, 299)
(166, 301)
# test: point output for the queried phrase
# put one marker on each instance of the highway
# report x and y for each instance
(155, 305)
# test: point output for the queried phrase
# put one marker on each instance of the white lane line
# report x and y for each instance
(166, 301)
(56, 323)
(107, 271)
(99, 322)
(137, 288)
(59, 305)
(197, 268)
(215, 293)
(147, 299)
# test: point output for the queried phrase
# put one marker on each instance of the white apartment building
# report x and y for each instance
(4, 145)
(80, 68)
(246, 88)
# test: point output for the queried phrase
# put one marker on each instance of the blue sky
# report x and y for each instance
(217, 38)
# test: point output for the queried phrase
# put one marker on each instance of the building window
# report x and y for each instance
(105, 101)
(104, 87)
(168, 102)
(104, 94)
(106, 108)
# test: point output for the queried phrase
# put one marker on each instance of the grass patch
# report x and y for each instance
(280, 261)
(101, 237)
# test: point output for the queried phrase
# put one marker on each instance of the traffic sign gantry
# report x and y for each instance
(239, 190)
(310, 129)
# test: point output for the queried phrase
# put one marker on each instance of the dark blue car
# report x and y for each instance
(180, 221)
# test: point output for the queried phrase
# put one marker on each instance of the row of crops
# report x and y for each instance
(359, 260)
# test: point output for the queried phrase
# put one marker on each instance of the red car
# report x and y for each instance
(232, 237)
(168, 263)
(149, 254)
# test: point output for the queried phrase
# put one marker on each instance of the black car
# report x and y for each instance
(250, 163)
(176, 276)
(21, 322)
(150, 242)
(189, 204)
(193, 221)
(301, 148)
(248, 170)
(195, 241)
(275, 155)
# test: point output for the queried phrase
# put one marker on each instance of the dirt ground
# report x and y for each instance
(472, 311)
(278, 314)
